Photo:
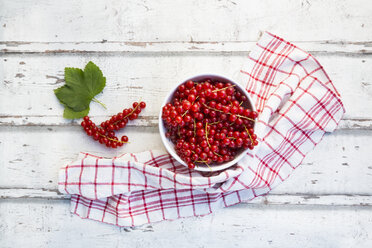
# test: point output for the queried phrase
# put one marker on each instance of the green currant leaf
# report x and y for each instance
(94, 79)
(70, 114)
(75, 99)
(81, 87)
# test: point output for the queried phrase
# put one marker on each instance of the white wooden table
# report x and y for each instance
(144, 48)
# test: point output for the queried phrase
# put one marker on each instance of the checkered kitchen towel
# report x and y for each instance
(297, 103)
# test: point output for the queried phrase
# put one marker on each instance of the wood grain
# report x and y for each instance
(329, 47)
(31, 157)
(271, 199)
(177, 20)
(144, 48)
(142, 121)
(27, 93)
(36, 223)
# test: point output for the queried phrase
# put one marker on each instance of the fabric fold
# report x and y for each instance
(297, 104)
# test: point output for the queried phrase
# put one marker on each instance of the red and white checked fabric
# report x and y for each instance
(297, 103)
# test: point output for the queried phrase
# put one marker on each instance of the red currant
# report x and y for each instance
(142, 105)
(207, 122)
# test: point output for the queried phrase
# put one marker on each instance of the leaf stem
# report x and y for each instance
(97, 101)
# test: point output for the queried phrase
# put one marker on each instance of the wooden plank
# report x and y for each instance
(37, 153)
(36, 223)
(27, 94)
(15, 193)
(31, 157)
(270, 199)
(142, 121)
(198, 47)
(144, 21)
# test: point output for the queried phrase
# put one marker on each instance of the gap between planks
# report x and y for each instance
(103, 47)
(142, 121)
(270, 199)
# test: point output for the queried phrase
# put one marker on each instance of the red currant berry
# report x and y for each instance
(191, 165)
(203, 156)
(186, 105)
(232, 118)
(191, 98)
(124, 138)
(181, 88)
(187, 118)
(189, 84)
(142, 105)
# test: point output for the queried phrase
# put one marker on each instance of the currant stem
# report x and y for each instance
(206, 134)
(185, 113)
(97, 101)
(240, 116)
(214, 123)
(215, 153)
(246, 118)
(205, 105)
(248, 134)
(191, 104)
(134, 109)
(194, 128)
(204, 162)
(118, 141)
(224, 88)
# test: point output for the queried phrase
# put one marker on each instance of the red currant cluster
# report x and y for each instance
(207, 122)
(105, 133)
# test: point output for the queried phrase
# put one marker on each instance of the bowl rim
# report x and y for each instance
(168, 144)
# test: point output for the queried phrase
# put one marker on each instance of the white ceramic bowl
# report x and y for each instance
(170, 146)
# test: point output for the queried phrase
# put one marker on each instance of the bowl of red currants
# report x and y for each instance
(207, 123)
